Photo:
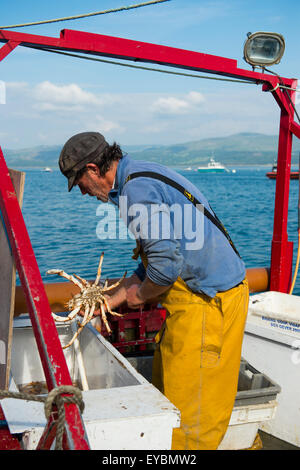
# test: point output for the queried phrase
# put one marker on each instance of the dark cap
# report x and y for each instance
(79, 150)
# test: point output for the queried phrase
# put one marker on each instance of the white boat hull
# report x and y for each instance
(211, 170)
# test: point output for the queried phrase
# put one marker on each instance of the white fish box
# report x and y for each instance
(272, 345)
(276, 310)
(244, 424)
(255, 404)
(123, 411)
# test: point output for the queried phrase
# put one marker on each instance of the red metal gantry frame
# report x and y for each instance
(107, 46)
(51, 354)
(113, 47)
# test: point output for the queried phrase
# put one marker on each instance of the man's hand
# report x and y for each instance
(138, 295)
(134, 292)
(133, 297)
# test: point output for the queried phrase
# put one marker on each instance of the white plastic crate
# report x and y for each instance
(244, 424)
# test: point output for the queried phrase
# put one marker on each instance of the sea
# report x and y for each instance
(67, 230)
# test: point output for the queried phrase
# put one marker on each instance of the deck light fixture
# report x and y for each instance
(263, 49)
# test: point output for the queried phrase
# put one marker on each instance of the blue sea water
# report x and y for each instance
(63, 226)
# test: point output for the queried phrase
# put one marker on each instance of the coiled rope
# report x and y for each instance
(53, 398)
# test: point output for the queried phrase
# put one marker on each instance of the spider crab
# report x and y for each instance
(90, 297)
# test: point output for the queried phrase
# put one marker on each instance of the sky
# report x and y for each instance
(46, 98)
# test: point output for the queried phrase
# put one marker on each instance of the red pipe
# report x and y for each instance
(59, 293)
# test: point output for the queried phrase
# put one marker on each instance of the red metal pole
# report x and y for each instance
(50, 350)
(282, 249)
(295, 129)
(7, 48)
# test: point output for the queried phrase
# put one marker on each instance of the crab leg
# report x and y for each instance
(74, 313)
(62, 273)
(86, 314)
(84, 281)
(99, 270)
(74, 337)
(58, 318)
(109, 310)
(68, 318)
(86, 319)
(103, 316)
(90, 315)
(115, 284)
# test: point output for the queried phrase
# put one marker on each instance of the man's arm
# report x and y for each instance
(119, 295)
(136, 293)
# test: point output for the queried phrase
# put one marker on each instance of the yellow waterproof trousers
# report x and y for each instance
(197, 360)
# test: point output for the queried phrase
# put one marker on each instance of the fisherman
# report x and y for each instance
(190, 265)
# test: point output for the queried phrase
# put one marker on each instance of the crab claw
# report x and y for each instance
(54, 271)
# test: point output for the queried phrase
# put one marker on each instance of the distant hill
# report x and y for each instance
(237, 149)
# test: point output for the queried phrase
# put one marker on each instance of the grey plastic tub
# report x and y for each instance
(253, 387)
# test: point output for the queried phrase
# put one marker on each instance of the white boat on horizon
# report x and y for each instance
(49, 170)
(212, 167)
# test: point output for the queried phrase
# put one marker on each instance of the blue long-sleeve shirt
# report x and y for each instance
(176, 237)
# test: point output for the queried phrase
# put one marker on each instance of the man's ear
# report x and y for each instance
(94, 168)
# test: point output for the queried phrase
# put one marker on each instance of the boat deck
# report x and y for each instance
(272, 443)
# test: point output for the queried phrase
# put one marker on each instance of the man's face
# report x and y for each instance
(93, 184)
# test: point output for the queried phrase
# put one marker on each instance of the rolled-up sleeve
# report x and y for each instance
(164, 261)
(140, 272)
